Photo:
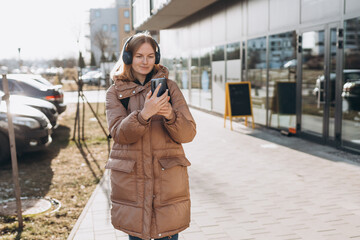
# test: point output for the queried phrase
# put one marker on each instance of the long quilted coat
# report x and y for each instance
(150, 186)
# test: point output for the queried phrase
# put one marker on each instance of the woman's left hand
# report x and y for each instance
(167, 111)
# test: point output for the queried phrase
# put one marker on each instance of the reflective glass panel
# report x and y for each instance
(282, 80)
(233, 51)
(205, 71)
(182, 75)
(256, 65)
(195, 79)
(351, 84)
(313, 82)
(218, 79)
(233, 68)
(170, 61)
(332, 83)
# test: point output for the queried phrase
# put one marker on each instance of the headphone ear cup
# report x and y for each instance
(127, 57)
(157, 57)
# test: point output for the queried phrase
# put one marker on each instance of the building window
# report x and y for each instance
(218, 53)
(105, 27)
(282, 80)
(350, 84)
(127, 28)
(126, 14)
(256, 74)
(233, 51)
(114, 41)
(97, 13)
(113, 28)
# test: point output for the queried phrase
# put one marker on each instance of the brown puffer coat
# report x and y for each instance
(150, 186)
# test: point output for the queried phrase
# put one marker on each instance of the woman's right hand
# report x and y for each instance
(153, 104)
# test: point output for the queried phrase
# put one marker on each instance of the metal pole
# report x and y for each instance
(13, 153)
(76, 118)
(83, 121)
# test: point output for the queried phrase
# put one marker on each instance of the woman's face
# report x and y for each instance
(143, 60)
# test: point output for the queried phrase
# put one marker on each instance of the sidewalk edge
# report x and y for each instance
(86, 208)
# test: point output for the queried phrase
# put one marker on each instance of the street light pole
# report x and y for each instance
(19, 50)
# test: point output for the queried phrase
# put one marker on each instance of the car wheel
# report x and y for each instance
(4, 149)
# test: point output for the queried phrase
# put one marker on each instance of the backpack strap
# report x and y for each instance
(125, 102)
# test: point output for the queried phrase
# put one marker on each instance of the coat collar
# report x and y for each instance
(128, 89)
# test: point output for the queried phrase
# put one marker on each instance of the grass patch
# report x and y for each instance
(67, 171)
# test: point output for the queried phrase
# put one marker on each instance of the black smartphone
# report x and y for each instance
(155, 82)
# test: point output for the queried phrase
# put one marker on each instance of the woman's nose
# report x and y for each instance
(144, 60)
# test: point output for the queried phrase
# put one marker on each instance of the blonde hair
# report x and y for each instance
(124, 72)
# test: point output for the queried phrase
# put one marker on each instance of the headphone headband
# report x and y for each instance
(127, 55)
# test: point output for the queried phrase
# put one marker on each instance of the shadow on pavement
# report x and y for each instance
(306, 146)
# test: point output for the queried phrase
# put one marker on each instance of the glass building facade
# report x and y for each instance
(314, 54)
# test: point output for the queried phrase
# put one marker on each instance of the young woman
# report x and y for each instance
(150, 187)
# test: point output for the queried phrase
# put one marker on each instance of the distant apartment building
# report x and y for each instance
(104, 33)
(109, 28)
(124, 21)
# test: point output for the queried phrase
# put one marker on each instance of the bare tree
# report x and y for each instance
(103, 41)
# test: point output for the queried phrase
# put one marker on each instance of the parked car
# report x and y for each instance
(26, 86)
(37, 78)
(32, 130)
(351, 93)
(45, 107)
(350, 75)
(92, 77)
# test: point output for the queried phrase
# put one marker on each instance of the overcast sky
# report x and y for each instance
(44, 29)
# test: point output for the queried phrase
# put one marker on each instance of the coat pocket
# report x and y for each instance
(174, 179)
(123, 180)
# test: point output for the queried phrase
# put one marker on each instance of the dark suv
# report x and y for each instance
(32, 130)
(45, 107)
(23, 84)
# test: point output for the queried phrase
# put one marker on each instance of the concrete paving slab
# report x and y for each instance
(254, 184)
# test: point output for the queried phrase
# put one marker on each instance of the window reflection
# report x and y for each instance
(351, 84)
(218, 79)
(282, 80)
(233, 64)
(181, 74)
(195, 79)
(233, 51)
(256, 65)
(205, 71)
(312, 85)
(332, 83)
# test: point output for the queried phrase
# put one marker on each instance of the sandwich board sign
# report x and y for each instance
(238, 102)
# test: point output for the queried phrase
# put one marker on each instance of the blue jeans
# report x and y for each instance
(173, 237)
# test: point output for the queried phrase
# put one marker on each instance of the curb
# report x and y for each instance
(86, 208)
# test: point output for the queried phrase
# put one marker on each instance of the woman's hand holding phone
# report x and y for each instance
(167, 111)
(154, 104)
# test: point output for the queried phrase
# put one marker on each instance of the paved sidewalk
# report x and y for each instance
(254, 184)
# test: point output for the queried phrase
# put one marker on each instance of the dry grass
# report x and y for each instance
(71, 85)
(66, 171)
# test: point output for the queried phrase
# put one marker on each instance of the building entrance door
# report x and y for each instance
(318, 83)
